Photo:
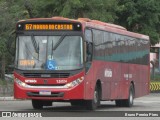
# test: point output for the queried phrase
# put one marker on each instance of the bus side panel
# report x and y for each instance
(98, 71)
(113, 82)
(119, 85)
(115, 79)
(139, 75)
(144, 75)
(114, 85)
(89, 82)
(124, 81)
(141, 81)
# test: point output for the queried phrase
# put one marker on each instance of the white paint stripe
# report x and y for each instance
(147, 101)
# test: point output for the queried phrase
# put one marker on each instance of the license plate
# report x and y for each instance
(45, 92)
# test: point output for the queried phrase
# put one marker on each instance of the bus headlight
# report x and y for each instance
(20, 83)
(74, 83)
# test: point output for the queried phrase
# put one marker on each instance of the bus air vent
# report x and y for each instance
(46, 75)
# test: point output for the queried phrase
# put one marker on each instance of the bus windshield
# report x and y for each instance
(49, 52)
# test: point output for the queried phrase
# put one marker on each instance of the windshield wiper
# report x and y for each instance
(59, 42)
(36, 47)
(52, 50)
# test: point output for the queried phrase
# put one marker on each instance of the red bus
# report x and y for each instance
(81, 61)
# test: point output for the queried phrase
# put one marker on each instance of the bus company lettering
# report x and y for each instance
(108, 73)
(128, 76)
(30, 81)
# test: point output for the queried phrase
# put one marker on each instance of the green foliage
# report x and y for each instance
(3, 82)
(140, 16)
(101, 10)
(11, 12)
(156, 78)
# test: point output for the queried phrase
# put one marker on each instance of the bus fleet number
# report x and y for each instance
(61, 81)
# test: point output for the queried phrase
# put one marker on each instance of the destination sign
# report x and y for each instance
(48, 26)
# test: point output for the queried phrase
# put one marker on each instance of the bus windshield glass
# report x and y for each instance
(49, 52)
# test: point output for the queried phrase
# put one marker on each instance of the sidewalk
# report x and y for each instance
(6, 92)
(7, 98)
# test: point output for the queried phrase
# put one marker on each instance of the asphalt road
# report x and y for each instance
(149, 104)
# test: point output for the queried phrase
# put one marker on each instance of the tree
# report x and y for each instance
(11, 12)
(95, 9)
(142, 16)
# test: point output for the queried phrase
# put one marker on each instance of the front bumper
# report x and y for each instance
(76, 92)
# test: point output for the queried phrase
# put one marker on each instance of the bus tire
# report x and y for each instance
(95, 102)
(77, 103)
(119, 103)
(126, 102)
(37, 104)
(47, 103)
(129, 102)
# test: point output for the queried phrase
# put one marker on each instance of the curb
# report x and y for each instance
(7, 98)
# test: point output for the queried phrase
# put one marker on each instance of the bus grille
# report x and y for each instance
(46, 75)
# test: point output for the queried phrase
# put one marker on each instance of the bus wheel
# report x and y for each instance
(47, 103)
(74, 103)
(95, 102)
(119, 103)
(129, 102)
(77, 103)
(37, 104)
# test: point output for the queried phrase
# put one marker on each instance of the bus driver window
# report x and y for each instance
(89, 52)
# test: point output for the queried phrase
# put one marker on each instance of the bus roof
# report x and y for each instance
(111, 28)
(94, 24)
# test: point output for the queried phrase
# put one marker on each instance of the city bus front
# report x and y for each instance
(49, 63)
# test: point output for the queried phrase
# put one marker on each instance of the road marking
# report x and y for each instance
(147, 101)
